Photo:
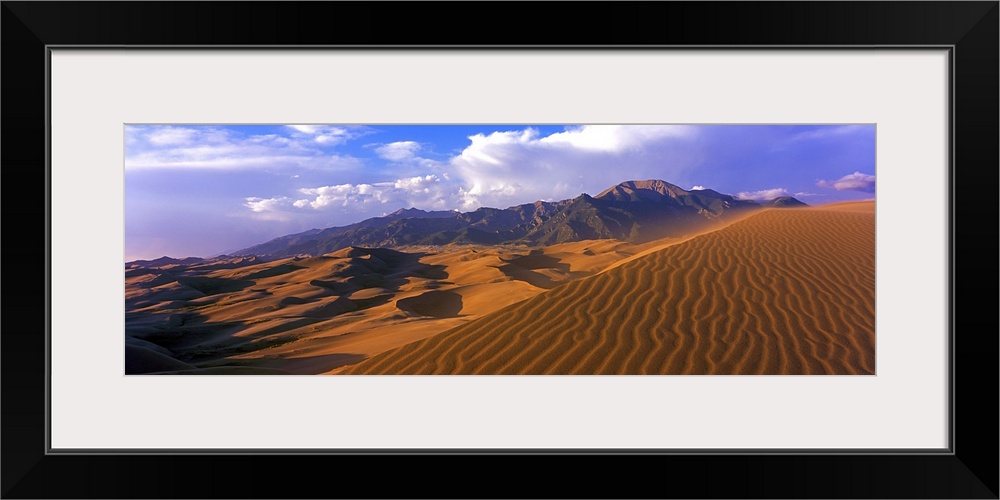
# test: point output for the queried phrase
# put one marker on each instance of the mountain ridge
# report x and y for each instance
(635, 211)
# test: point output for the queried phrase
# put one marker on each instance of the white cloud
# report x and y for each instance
(763, 195)
(240, 159)
(327, 135)
(398, 151)
(405, 153)
(335, 137)
(509, 167)
(158, 147)
(170, 136)
(427, 192)
(267, 204)
(616, 138)
(417, 184)
(851, 182)
(306, 129)
(698, 188)
(422, 192)
(329, 195)
(273, 139)
(131, 136)
(499, 169)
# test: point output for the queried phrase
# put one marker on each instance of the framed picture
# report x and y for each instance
(136, 111)
(415, 243)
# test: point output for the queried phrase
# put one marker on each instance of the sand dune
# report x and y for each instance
(853, 206)
(783, 291)
(144, 360)
(311, 315)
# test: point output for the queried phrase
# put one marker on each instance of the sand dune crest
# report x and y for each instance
(780, 292)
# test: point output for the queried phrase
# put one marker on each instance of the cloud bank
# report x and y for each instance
(427, 191)
(496, 168)
(851, 182)
(207, 147)
(763, 195)
(505, 168)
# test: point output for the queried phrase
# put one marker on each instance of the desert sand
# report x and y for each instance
(314, 315)
(783, 291)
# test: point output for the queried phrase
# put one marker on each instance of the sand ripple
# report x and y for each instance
(782, 292)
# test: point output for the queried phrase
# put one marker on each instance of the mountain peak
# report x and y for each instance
(651, 189)
(415, 213)
(785, 202)
(410, 210)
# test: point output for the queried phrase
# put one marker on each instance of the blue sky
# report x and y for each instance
(201, 190)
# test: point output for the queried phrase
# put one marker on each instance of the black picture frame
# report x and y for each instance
(969, 470)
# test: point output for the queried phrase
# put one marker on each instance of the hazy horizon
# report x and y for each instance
(203, 190)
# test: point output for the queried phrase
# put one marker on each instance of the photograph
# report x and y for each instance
(596, 220)
(500, 249)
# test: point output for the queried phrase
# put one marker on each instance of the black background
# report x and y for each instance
(972, 472)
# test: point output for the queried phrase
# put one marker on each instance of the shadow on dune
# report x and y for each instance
(322, 363)
(273, 271)
(142, 360)
(228, 370)
(331, 308)
(213, 286)
(308, 365)
(538, 260)
(166, 334)
(433, 272)
(435, 304)
(373, 301)
(334, 287)
(165, 342)
(172, 330)
(523, 268)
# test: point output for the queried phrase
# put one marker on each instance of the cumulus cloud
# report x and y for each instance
(507, 167)
(762, 195)
(427, 192)
(851, 182)
(698, 188)
(266, 204)
(616, 138)
(497, 169)
(330, 195)
(417, 184)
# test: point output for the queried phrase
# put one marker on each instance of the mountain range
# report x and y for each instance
(632, 211)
